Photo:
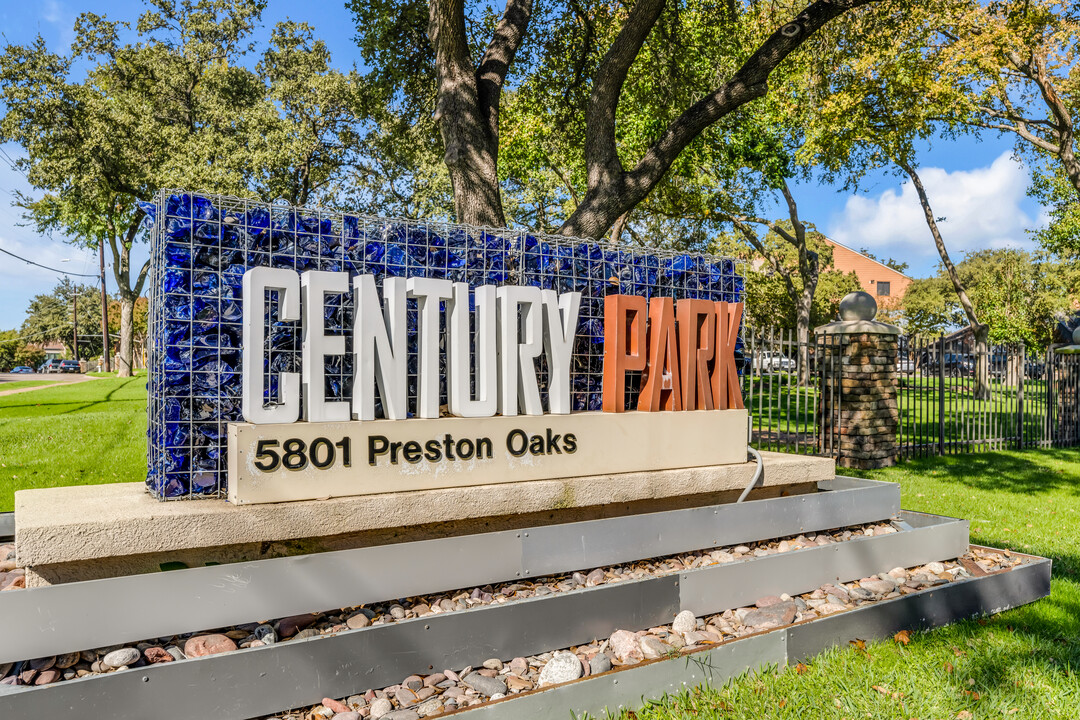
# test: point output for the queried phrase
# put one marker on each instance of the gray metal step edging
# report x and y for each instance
(631, 687)
(135, 607)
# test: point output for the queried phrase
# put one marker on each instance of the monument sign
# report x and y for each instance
(300, 354)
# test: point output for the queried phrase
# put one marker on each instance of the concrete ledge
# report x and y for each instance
(87, 532)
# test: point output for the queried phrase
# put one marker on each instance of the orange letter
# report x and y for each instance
(624, 346)
(697, 332)
(660, 386)
(726, 390)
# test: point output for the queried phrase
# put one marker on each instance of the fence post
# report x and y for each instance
(1068, 387)
(941, 394)
(863, 416)
(1020, 404)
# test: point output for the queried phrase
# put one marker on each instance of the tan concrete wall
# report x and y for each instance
(81, 533)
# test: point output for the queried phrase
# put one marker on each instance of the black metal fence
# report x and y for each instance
(947, 402)
(782, 382)
(955, 401)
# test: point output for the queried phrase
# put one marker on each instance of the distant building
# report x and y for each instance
(54, 350)
(878, 279)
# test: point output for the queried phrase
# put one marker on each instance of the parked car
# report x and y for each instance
(999, 365)
(70, 366)
(742, 362)
(955, 365)
(50, 366)
(905, 366)
(1034, 370)
(22, 369)
(769, 361)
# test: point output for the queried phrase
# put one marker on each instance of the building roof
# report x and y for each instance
(873, 260)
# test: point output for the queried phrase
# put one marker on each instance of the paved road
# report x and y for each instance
(52, 377)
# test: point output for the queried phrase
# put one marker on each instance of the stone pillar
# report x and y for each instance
(857, 408)
(1064, 376)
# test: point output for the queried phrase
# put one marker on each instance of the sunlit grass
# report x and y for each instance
(73, 434)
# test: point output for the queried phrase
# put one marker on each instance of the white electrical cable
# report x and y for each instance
(757, 474)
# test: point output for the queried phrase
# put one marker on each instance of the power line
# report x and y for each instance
(62, 272)
(11, 162)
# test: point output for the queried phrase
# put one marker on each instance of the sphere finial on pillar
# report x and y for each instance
(858, 306)
(857, 313)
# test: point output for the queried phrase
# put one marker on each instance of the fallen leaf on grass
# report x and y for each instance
(958, 652)
(948, 667)
(782, 702)
(895, 695)
(801, 669)
(964, 715)
(903, 637)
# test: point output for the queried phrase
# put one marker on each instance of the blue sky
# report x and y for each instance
(974, 183)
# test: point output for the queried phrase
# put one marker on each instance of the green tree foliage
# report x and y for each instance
(30, 356)
(896, 265)
(49, 318)
(1018, 294)
(167, 101)
(926, 307)
(14, 351)
(769, 304)
(769, 299)
(9, 344)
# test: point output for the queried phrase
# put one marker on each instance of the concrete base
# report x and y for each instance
(88, 532)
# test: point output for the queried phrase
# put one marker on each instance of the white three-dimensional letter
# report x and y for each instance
(255, 284)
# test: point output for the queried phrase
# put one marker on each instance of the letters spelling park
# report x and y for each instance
(684, 351)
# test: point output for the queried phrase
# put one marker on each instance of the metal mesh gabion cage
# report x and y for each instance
(203, 244)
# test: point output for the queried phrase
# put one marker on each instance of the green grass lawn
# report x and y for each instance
(20, 384)
(79, 434)
(1020, 664)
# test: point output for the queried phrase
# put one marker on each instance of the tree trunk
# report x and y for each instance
(981, 331)
(129, 291)
(127, 334)
(467, 108)
(1014, 366)
(802, 328)
(618, 227)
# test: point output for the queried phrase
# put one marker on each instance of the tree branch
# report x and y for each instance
(612, 190)
(601, 156)
(1022, 132)
(491, 73)
(748, 83)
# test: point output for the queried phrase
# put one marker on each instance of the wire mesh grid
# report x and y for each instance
(203, 244)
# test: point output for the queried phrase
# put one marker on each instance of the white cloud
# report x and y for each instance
(981, 207)
(57, 14)
(52, 11)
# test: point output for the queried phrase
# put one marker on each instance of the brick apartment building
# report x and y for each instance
(878, 279)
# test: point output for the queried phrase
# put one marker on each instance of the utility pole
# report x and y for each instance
(75, 323)
(105, 354)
